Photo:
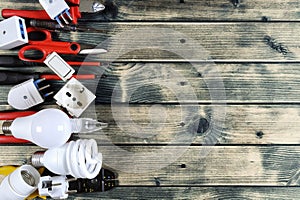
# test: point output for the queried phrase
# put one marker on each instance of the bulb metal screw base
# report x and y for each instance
(36, 159)
(5, 127)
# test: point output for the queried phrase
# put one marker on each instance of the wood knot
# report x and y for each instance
(203, 126)
(279, 47)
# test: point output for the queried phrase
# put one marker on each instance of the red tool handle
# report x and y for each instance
(34, 14)
(79, 76)
(14, 115)
(43, 43)
(62, 48)
(11, 139)
(74, 63)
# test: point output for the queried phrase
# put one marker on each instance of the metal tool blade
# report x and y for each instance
(93, 51)
(91, 6)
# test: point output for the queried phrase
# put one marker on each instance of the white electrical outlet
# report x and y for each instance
(75, 97)
(13, 33)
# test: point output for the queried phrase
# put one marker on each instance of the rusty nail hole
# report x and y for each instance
(182, 41)
(183, 165)
(203, 125)
(259, 134)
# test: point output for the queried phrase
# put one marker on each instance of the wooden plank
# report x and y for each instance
(193, 124)
(170, 42)
(201, 83)
(192, 165)
(185, 125)
(191, 10)
(186, 83)
(194, 193)
(182, 165)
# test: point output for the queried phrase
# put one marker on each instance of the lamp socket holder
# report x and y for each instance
(13, 33)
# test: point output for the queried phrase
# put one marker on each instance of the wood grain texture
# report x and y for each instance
(185, 83)
(191, 165)
(179, 42)
(215, 166)
(193, 124)
(191, 10)
(193, 41)
(195, 193)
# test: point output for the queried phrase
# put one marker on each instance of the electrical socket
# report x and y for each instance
(13, 33)
(75, 97)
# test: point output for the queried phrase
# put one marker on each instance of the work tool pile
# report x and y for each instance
(67, 165)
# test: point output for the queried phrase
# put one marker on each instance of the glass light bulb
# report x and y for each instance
(47, 128)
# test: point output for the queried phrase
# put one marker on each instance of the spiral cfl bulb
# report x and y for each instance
(80, 159)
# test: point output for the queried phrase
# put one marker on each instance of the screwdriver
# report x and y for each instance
(71, 27)
(14, 61)
(11, 78)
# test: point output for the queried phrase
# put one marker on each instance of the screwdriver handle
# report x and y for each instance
(33, 14)
(11, 139)
(11, 78)
(14, 61)
(15, 114)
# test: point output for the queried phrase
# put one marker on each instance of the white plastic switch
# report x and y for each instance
(75, 97)
(13, 33)
(59, 66)
(27, 94)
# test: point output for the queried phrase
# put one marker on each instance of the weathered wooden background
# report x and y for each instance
(254, 46)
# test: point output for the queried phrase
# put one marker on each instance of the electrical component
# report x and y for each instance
(75, 97)
(80, 159)
(56, 9)
(46, 133)
(56, 187)
(59, 66)
(13, 33)
(20, 183)
(27, 94)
